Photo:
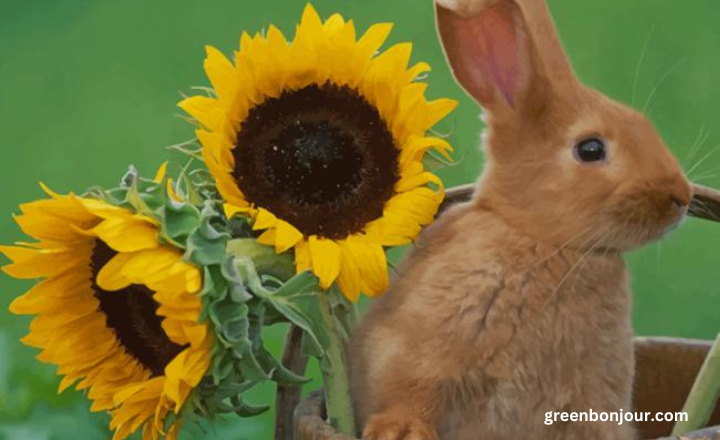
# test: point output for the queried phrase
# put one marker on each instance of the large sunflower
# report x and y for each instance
(320, 141)
(116, 310)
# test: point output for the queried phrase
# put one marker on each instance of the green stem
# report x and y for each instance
(703, 395)
(348, 316)
(335, 374)
(345, 312)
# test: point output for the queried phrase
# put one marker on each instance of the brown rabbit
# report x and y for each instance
(517, 303)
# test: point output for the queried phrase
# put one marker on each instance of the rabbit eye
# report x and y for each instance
(591, 150)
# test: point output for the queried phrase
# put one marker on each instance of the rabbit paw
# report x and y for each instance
(386, 426)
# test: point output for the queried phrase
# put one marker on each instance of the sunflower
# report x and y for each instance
(320, 141)
(116, 310)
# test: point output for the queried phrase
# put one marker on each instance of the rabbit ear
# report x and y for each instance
(505, 53)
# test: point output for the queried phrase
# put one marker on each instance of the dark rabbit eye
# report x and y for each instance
(591, 150)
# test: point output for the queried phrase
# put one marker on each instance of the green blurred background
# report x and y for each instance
(89, 86)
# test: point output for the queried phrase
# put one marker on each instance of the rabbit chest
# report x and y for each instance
(552, 333)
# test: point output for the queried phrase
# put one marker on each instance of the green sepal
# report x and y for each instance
(206, 245)
(181, 219)
(141, 201)
(236, 288)
(265, 259)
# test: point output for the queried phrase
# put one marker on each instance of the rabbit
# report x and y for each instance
(517, 303)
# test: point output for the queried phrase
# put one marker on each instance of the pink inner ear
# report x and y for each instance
(493, 43)
(499, 32)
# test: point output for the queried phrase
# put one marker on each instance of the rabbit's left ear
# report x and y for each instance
(505, 53)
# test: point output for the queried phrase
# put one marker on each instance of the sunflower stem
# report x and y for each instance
(335, 374)
(703, 395)
(345, 312)
(348, 316)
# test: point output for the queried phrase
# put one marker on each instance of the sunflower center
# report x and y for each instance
(132, 314)
(320, 158)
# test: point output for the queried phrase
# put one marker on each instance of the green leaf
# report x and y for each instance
(296, 300)
(250, 365)
(310, 348)
(222, 368)
(278, 372)
(232, 320)
(246, 410)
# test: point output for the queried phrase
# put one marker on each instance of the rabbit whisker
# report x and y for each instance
(660, 82)
(697, 144)
(563, 246)
(708, 171)
(702, 159)
(573, 268)
(638, 68)
(704, 177)
(605, 251)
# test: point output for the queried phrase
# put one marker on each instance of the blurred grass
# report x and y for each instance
(90, 86)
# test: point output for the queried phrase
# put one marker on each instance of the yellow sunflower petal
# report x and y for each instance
(438, 110)
(161, 172)
(232, 210)
(205, 110)
(268, 238)
(37, 263)
(334, 24)
(303, 260)
(416, 177)
(393, 230)
(112, 276)
(415, 148)
(373, 38)
(417, 70)
(367, 269)
(264, 220)
(420, 205)
(325, 257)
(350, 278)
(128, 234)
(147, 265)
(217, 151)
(221, 73)
(41, 219)
(375, 270)
(172, 193)
(286, 236)
(310, 23)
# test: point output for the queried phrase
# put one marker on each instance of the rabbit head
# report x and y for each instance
(564, 163)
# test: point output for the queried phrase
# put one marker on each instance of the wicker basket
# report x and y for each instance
(665, 370)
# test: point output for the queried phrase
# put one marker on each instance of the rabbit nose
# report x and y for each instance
(680, 194)
(680, 204)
